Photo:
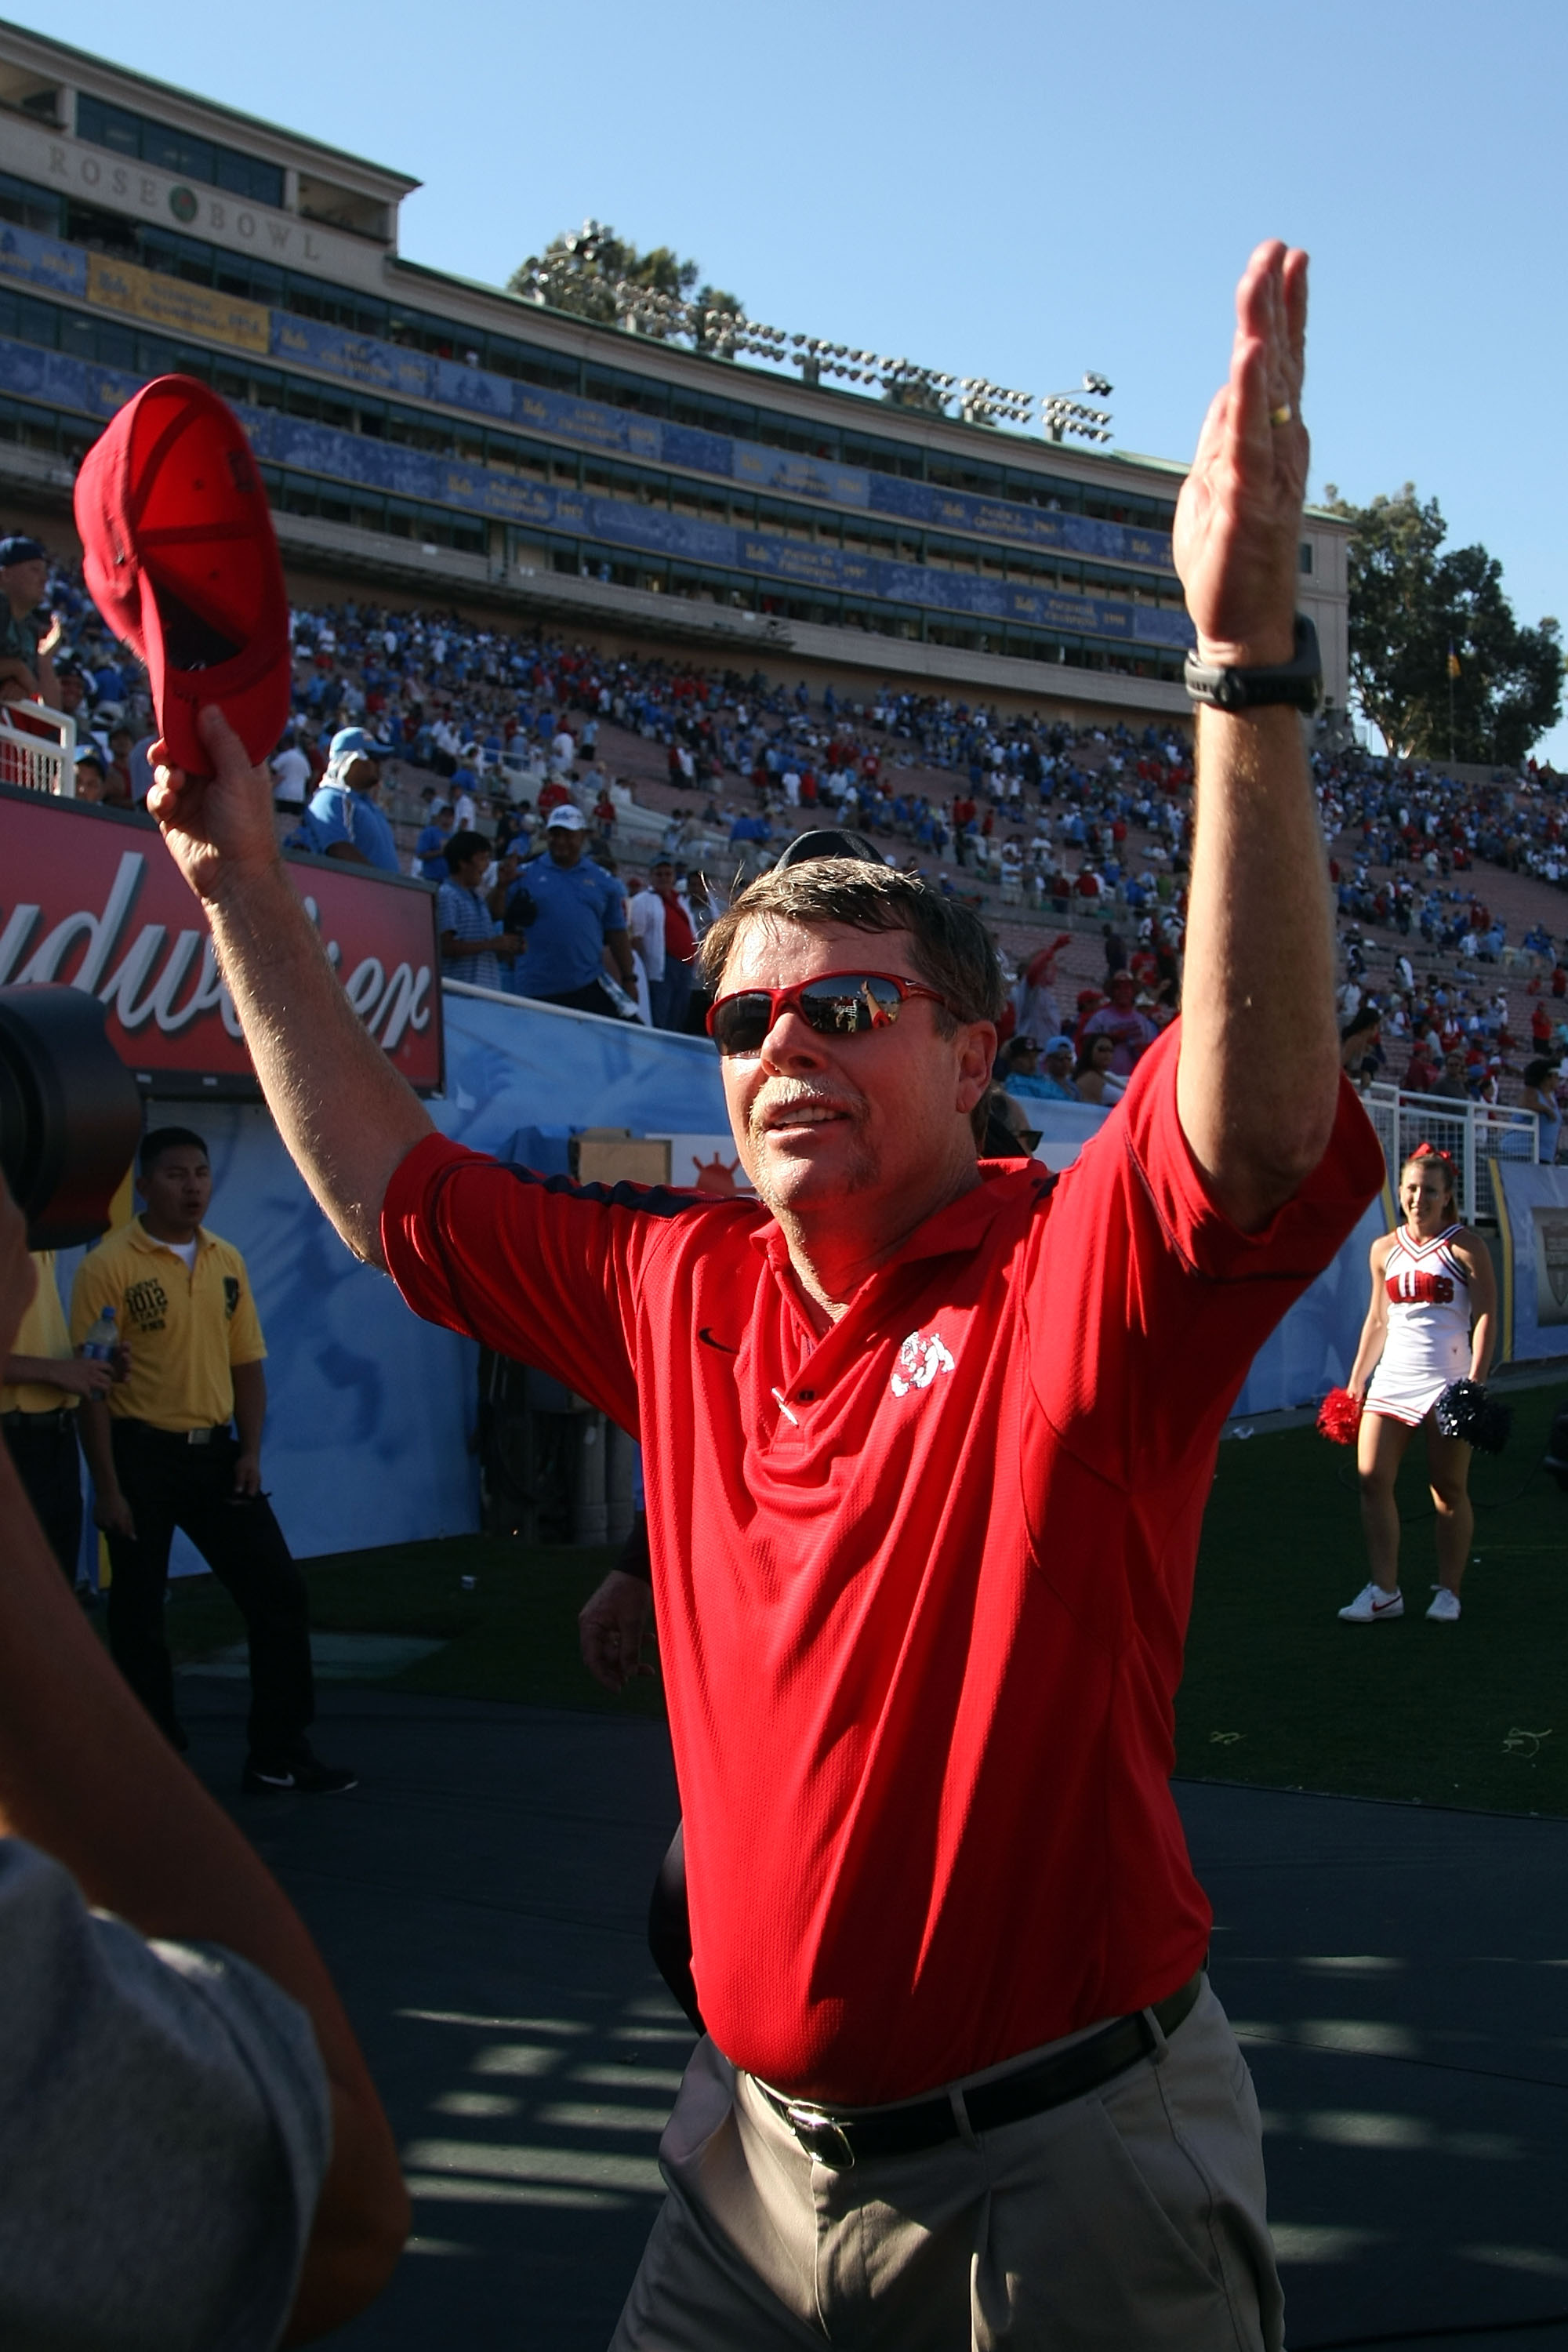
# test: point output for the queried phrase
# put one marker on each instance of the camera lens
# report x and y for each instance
(69, 1114)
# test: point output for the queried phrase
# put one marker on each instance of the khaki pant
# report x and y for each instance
(1130, 2217)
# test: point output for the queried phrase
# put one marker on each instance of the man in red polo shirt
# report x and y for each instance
(926, 1447)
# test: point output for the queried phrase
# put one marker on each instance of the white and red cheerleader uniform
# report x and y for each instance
(1428, 1341)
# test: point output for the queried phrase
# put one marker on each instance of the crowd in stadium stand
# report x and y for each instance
(1028, 817)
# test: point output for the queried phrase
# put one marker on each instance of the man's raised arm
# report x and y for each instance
(1259, 1062)
(343, 1112)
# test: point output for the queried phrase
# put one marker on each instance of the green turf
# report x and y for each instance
(514, 1636)
(1278, 1690)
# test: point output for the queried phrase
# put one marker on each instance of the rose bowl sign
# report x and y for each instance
(90, 897)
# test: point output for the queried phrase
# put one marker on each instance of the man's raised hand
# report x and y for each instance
(218, 828)
(1238, 528)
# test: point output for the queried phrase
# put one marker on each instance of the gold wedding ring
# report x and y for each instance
(1282, 415)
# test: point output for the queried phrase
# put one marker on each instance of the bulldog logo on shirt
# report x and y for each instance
(920, 1358)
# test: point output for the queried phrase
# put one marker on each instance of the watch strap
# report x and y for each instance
(1296, 683)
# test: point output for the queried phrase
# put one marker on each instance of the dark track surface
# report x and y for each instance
(1399, 1977)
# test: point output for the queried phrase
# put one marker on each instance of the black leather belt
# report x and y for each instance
(841, 2141)
(57, 1418)
(150, 1429)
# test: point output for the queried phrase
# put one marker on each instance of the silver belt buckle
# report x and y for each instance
(820, 2136)
(198, 1437)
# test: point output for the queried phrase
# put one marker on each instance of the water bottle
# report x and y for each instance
(99, 1345)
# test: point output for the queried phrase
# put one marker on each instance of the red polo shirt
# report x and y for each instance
(921, 1584)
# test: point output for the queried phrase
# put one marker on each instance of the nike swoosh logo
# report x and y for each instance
(277, 1779)
(706, 1336)
(1379, 1607)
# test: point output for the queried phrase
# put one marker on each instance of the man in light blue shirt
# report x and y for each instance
(1022, 1075)
(430, 849)
(342, 820)
(571, 911)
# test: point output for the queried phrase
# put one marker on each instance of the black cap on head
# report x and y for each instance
(830, 840)
(19, 549)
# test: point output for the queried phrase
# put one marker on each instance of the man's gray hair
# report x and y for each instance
(950, 947)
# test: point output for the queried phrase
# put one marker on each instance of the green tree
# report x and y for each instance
(597, 275)
(1438, 663)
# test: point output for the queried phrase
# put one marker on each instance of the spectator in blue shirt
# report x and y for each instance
(572, 912)
(342, 820)
(473, 939)
(1056, 1071)
(435, 840)
(1019, 1068)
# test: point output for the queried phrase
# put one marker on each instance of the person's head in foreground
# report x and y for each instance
(1427, 1191)
(856, 1015)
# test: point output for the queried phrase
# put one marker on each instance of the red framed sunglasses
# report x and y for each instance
(834, 1003)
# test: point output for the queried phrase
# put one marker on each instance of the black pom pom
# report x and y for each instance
(1463, 1410)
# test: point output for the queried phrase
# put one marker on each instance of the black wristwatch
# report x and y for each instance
(1296, 683)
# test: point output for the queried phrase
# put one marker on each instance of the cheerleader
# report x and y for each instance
(1432, 1320)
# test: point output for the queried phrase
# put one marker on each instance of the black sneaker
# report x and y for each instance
(299, 1776)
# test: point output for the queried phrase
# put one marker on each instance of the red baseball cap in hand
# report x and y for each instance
(179, 557)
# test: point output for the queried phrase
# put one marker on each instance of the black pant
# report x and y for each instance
(43, 1448)
(592, 999)
(169, 1483)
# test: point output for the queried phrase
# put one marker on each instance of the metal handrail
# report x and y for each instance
(1472, 1134)
(37, 749)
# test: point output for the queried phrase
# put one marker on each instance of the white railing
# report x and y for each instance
(37, 749)
(1472, 1134)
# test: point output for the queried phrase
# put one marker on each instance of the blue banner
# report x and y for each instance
(358, 358)
(64, 381)
(807, 477)
(622, 433)
(400, 373)
(43, 260)
(61, 380)
(1066, 534)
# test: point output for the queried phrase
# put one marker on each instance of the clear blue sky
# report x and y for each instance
(1017, 190)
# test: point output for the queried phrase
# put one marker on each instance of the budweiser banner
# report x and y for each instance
(91, 897)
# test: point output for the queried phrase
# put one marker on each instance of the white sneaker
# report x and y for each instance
(1371, 1605)
(1445, 1609)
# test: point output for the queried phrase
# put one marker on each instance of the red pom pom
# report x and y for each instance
(1339, 1416)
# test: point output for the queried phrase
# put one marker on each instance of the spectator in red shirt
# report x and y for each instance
(946, 1939)
(1132, 1031)
(1422, 1072)
(671, 996)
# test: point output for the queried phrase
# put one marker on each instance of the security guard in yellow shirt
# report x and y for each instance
(41, 1386)
(164, 1456)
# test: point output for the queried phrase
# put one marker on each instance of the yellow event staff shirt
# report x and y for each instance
(42, 1333)
(185, 1331)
